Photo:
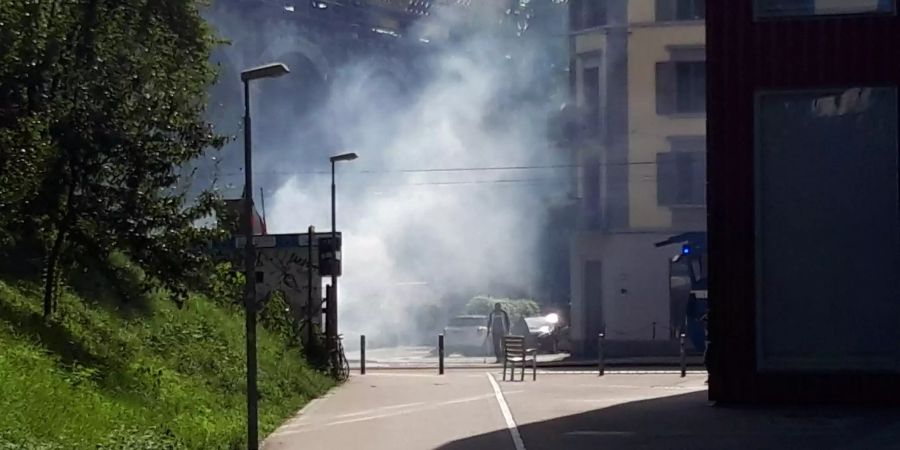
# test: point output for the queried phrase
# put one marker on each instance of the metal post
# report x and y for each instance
(262, 200)
(362, 354)
(332, 307)
(654, 331)
(250, 281)
(440, 354)
(331, 327)
(683, 358)
(601, 364)
(310, 309)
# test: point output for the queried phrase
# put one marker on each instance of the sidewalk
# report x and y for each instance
(398, 410)
(407, 358)
(467, 410)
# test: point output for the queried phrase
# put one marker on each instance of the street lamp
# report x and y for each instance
(332, 307)
(268, 71)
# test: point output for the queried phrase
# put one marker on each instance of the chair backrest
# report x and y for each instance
(514, 345)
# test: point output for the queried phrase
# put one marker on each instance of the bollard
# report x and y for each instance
(683, 358)
(601, 365)
(440, 354)
(362, 354)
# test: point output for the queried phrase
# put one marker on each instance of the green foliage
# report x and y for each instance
(101, 104)
(483, 305)
(173, 378)
(225, 284)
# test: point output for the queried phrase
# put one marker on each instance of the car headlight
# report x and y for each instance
(552, 318)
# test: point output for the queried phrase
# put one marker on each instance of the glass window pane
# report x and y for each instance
(770, 8)
(827, 221)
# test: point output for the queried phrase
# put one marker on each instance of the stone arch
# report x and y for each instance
(294, 43)
(381, 70)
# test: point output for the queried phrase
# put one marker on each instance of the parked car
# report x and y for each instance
(466, 335)
(544, 332)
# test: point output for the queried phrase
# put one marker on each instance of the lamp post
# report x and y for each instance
(268, 71)
(332, 325)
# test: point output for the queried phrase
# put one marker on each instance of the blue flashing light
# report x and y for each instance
(686, 250)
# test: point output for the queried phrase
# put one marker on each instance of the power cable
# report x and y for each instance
(453, 169)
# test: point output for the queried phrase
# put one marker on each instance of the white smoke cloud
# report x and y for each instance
(409, 240)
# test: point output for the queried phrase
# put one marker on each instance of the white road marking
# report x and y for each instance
(507, 415)
(383, 408)
(307, 427)
(412, 375)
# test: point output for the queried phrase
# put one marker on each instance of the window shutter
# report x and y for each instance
(699, 9)
(575, 14)
(666, 178)
(665, 87)
(665, 10)
(573, 78)
(699, 178)
(594, 14)
(592, 186)
(591, 93)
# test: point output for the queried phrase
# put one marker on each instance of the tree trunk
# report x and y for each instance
(51, 267)
(50, 274)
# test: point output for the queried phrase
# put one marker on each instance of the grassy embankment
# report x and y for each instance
(156, 377)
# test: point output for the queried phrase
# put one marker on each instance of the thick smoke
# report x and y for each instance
(418, 242)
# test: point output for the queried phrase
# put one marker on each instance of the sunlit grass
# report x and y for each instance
(165, 378)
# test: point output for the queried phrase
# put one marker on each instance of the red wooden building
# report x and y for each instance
(804, 221)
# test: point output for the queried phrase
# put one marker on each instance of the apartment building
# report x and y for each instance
(637, 75)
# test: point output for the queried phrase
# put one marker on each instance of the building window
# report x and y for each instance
(592, 206)
(678, 10)
(591, 92)
(681, 173)
(680, 87)
(826, 199)
(781, 8)
(585, 14)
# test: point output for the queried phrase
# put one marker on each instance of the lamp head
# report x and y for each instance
(273, 70)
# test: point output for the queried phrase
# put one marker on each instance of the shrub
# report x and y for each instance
(516, 308)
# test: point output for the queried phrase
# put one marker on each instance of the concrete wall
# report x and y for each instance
(635, 285)
(590, 42)
(641, 11)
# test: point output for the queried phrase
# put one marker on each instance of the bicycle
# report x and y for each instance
(340, 365)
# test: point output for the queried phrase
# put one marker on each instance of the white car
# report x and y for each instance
(466, 335)
(543, 332)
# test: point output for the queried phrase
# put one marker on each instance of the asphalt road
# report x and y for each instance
(474, 409)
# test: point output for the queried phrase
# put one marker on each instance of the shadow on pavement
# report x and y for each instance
(688, 421)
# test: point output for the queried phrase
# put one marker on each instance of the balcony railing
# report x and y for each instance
(573, 125)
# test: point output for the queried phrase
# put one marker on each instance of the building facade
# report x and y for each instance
(637, 75)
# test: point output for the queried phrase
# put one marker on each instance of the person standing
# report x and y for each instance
(498, 326)
(705, 320)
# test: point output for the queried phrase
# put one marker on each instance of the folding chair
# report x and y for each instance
(514, 352)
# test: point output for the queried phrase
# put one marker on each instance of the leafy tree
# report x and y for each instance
(101, 103)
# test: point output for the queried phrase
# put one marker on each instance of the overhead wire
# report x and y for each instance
(449, 169)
